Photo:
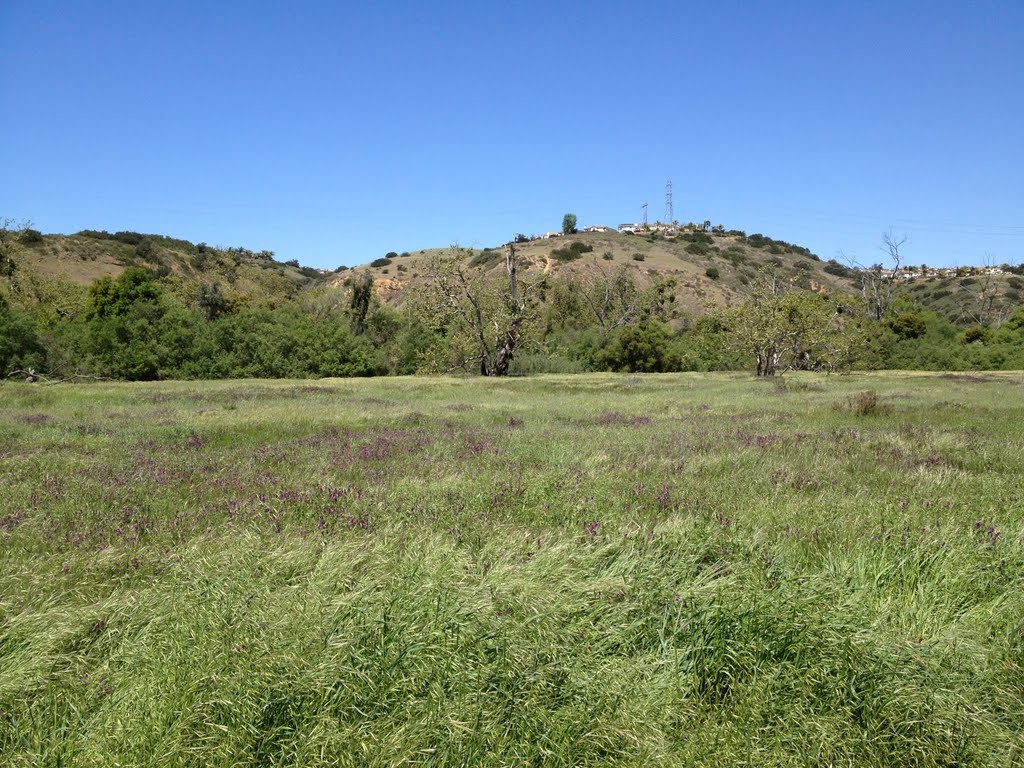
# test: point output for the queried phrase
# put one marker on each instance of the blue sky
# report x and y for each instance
(335, 132)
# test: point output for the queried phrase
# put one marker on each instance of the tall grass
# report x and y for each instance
(670, 570)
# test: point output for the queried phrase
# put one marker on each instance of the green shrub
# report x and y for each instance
(128, 238)
(976, 334)
(30, 237)
(571, 252)
(485, 258)
(94, 234)
(638, 257)
(380, 262)
(833, 267)
(20, 348)
(758, 240)
(735, 255)
(640, 349)
(145, 249)
(200, 260)
(712, 272)
(908, 325)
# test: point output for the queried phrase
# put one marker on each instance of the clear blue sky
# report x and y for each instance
(335, 132)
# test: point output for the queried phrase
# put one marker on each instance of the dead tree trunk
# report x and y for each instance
(506, 345)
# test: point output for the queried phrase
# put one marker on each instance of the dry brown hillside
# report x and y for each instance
(709, 270)
(705, 270)
(245, 276)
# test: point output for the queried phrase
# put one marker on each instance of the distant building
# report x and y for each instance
(657, 226)
(660, 227)
(549, 235)
(597, 228)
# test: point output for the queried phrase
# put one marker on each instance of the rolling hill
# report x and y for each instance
(709, 270)
(245, 276)
(706, 270)
(703, 270)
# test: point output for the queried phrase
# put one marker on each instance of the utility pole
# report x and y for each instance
(644, 209)
(669, 215)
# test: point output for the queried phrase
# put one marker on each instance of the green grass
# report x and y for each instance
(574, 570)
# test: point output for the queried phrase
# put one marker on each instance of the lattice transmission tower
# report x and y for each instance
(669, 215)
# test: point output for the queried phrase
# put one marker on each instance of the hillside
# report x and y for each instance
(134, 306)
(968, 295)
(245, 276)
(703, 270)
(709, 270)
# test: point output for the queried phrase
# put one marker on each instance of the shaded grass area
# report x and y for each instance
(677, 569)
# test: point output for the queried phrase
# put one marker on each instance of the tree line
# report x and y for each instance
(460, 319)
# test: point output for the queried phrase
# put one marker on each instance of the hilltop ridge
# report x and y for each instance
(706, 270)
(703, 267)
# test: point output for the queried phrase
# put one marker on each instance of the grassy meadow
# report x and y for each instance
(602, 569)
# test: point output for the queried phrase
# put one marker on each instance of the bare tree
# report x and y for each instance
(891, 246)
(482, 319)
(878, 282)
(612, 298)
(11, 231)
(980, 303)
(509, 339)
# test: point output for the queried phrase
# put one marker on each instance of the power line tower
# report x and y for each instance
(644, 209)
(669, 215)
